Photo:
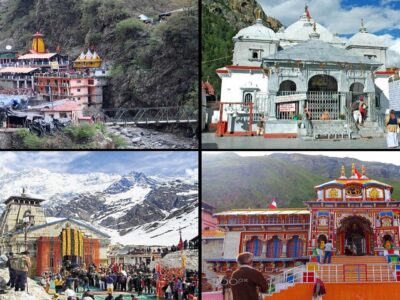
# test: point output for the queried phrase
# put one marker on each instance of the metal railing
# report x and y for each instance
(151, 115)
(287, 278)
(352, 273)
(379, 117)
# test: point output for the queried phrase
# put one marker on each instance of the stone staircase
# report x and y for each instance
(370, 130)
(334, 129)
(357, 269)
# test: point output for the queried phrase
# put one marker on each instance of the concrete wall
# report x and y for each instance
(211, 249)
(242, 54)
(231, 244)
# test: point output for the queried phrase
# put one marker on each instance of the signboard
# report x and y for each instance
(287, 107)
(290, 98)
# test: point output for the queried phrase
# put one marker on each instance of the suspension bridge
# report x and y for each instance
(151, 115)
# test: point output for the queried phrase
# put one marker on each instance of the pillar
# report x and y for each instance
(284, 248)
(43, 255)
(271, 109)
(57, 254)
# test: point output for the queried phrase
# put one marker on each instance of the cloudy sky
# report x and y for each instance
(376, 156)
(151, 163)
(381, 17)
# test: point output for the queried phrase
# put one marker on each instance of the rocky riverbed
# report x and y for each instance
(143, 138)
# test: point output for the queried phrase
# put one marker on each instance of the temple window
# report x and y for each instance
(233, 220)
(248, 97)
(369, 56)
(253, 220)
(255, 54)
(273, 220)
(254, 246)
(293, 219)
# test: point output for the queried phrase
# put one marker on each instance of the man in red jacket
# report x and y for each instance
(246, 279)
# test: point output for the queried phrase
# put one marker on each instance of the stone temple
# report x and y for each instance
(277, 75)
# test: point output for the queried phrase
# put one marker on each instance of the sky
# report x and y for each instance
(164, 163)
(375, 156)
(381, 17)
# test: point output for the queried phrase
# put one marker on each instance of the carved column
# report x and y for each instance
(284, 248)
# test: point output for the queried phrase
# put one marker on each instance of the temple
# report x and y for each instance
(49, 241)
(355, 212)
(276, 75)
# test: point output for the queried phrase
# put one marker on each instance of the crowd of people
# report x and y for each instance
(136, 280)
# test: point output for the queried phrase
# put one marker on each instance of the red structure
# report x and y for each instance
(49, 254)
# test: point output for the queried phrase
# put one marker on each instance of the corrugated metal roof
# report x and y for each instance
(37, 56)
(18, 70)
(247, 212)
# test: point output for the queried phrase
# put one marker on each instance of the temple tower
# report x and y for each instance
(38, 45)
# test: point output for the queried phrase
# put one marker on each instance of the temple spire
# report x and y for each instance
(353, 169)
(362, 27)
(363, 170)
(342, 172)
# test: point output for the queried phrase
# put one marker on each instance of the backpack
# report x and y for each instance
(17, 263)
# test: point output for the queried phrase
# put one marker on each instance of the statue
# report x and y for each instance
(322, 245)
(388, 245)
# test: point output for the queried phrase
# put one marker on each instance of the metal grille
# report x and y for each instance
(324, 102)
(286, 115)
(260, 106)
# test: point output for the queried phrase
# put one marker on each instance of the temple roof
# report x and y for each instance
(38, 56)
(348, 181)
(277, 211)
(214, 234)
(364, 38)
(258, 31)
(301, 29)
(319, 51)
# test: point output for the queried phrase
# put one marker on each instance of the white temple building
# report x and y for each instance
(277, 75)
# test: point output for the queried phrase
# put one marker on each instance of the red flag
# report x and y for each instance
(273, 204)
(308, 13)
(180, 245)
(357, 174)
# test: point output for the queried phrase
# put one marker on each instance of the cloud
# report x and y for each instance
(344, 20)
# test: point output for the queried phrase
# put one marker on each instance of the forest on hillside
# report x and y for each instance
(152, 65)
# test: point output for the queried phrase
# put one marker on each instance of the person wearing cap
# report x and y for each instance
(392, 125)
(246, 281)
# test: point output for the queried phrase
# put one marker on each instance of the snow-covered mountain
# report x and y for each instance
(133, 209)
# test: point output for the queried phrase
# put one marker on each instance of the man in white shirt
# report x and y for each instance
(70, 292)
(328, 252)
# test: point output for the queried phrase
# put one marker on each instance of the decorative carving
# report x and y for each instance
(386, 222)
(353, 191)
(374, 193)
(333, 193)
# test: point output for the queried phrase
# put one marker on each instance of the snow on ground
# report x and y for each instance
(36, 292)
(166, 233)
(135, 195)
(191, 192)
(174, 260)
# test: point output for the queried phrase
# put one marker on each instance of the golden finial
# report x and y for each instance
(363, 170)
(353, 169)
(258, 14)
(343, 172)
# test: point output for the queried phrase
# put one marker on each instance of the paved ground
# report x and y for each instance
(211, 141)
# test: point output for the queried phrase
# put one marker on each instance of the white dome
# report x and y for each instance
(364, 38)
(256, 32)
(301, 30)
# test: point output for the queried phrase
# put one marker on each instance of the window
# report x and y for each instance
(79, 81)
(79, 90)
(91, 82)
(273, 220)
(369, 56)
(248, 97)
(293, 219)
(63, 115)
(255, 54)
(253, 220)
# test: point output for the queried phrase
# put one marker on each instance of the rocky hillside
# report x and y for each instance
(131, 207)
(221, 20)
(232, 181)
(151, 65)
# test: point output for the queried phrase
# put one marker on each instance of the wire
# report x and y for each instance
(207, 61)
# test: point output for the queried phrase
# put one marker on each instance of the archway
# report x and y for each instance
(322, 83)
(323, 99)
(355, 236)
(357, 90)
(287, 86)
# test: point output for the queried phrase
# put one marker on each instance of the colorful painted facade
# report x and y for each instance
(49, 242)
(355, 212)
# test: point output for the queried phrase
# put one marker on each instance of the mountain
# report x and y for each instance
(232, 181)
(221, 20)
(145, 68)
(133, 208)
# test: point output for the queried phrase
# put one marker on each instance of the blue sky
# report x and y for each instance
(381, 17)
(148, 162)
